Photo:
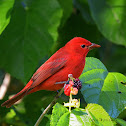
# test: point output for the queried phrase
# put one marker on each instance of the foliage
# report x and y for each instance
(32, 30)
(109, 14)
(106, 91)
(29, 27)
(93, 114)
(5, 13)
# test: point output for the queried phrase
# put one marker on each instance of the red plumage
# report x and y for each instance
(69, 59)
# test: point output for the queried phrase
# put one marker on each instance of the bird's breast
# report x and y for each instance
(76, 66)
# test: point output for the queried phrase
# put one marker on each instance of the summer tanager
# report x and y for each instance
(69, 59)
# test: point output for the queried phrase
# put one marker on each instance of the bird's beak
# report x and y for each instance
(93, 45)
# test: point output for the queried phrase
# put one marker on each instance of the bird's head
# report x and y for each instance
(81, 46)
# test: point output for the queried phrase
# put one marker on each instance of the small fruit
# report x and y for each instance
(77, 84)
(72, 86)
(71, 82)
(67, 89)
(74, 91)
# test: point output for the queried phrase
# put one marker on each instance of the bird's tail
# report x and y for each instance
(16, 97)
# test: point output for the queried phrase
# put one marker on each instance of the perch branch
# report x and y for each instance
(48, 107)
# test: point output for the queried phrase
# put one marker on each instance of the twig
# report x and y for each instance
(62, 82)
(4, 85)
(48, 107)
(70, 100)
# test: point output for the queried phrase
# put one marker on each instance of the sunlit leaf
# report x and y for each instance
(5, 13)
(99, 115)
(93, 114)
(113, 94)
(59, 113)
(121, 121)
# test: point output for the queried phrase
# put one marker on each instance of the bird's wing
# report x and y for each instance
(47, 70)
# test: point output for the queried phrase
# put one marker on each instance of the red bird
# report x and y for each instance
(69, 59)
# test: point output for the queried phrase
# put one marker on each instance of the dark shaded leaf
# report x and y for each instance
(109, 16)
(29, 36)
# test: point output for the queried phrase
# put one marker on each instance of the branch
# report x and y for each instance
(48, 107)
(4, 85)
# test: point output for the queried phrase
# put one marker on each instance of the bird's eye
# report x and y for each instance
(82, 46)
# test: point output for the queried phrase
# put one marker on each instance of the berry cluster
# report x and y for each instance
(77, 84)
(72, 86)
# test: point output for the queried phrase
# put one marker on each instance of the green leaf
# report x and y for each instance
(67, 7)
(92, 79)
(10, 114)
(109, 16)
(121, 122)
(79, 117)
(5, 13)
(93, 114)
(58, 114)
(106, 91)
(82, 6)
(29, 36)
(93, 64)
(98, 115)
(64, 120)
(61, 116)
(113, 94)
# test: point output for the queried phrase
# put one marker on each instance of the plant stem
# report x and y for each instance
(70, 102)
(48, 107)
